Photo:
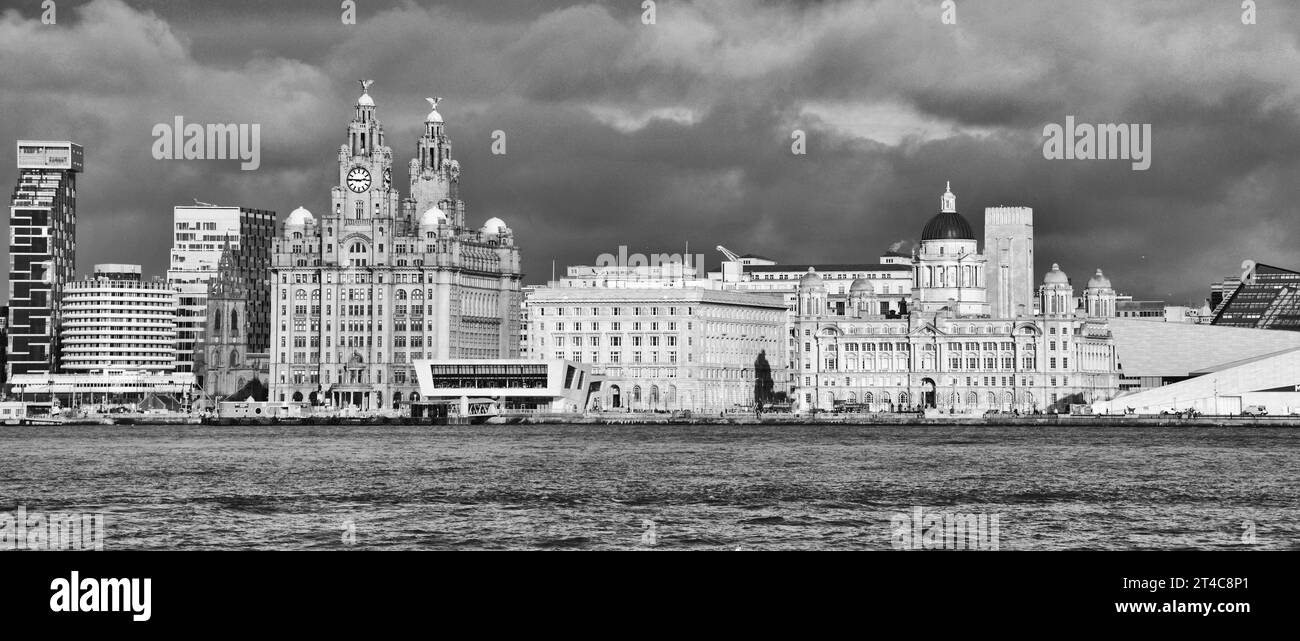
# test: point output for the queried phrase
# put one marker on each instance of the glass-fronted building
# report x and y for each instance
(1270, 300)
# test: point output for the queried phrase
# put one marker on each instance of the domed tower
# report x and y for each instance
(430, 221)
(812, 294)
(862, 297)
(496, 232)
(435, 175)
(301, 222)
(1057, 293)
(949, 271)
(1099, 297)
(364, 198)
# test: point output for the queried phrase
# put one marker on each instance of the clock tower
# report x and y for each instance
(365, 188)
(364, 293)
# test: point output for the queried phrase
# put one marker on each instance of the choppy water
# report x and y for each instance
(703, 487)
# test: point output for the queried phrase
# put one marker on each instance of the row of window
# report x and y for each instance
(613, 311)
(617, 341)
(987, 381)
(617, 357)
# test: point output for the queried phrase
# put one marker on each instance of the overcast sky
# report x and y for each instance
(654, 136)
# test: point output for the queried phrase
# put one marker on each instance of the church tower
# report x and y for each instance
(225, 337)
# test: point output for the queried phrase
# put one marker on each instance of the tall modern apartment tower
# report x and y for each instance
(200, 233)
(42, 251)
(1009, 248)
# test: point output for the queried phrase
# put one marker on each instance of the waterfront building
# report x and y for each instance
(949, 352)
(114, 321)
(101, 390)
(1223, 370)
(200, 234)
(1153, 354)
(1270, 299)
(379, 281)
(665, 349)
(469, 387)
(42, 251)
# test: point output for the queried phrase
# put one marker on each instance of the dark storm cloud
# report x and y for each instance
(652, 136)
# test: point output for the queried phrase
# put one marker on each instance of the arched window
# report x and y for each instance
(234, 321)
(234, 358)
(216, 322)
(636, 393)
(300, 295)
(297, 397)
(401, 294)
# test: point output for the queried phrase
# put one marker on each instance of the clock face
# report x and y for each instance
(358, 179)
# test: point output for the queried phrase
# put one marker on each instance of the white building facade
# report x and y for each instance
(663, 349)
(114, 322)
(949, 353)
(378, 282)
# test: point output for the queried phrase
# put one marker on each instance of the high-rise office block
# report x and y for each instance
(42, 251)
(1009, 248)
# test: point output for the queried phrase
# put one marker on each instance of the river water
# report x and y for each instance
(661, 487)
